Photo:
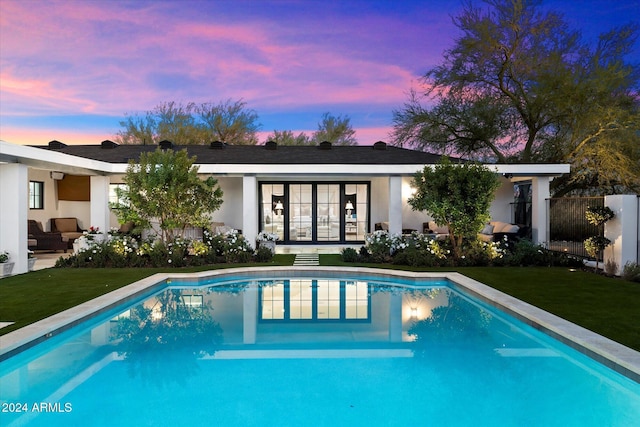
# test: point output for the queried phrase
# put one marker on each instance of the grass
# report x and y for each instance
(604, 305)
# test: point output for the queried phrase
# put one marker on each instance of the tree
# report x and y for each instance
(598, 216)
(455, 195)
(163, 192)
(286, 137)
(519, 86)
(336, 130)
(229, 121)
(169, 120)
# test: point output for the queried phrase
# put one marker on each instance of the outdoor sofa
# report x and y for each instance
(40, 240)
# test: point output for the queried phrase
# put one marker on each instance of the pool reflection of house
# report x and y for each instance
(296, 318)
(324, 195)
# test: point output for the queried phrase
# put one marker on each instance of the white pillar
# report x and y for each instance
(100, 203)
(14, 205)
(250, 208)
(539, 221)
(395, 204)
(622, 230)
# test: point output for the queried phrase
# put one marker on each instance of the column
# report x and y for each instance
(14, 205)
(622, 230)
(395, 204)
(100, 214)
(250, 208)
(539, 211)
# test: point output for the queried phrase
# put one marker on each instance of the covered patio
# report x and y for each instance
(315, 197)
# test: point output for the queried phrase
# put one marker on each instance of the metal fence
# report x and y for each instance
(568, 226)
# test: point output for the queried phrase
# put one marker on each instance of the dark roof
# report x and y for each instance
(218, 153)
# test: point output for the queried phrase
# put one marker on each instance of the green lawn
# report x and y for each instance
(610, 307)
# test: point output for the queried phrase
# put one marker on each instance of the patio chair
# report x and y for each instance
(45, 241)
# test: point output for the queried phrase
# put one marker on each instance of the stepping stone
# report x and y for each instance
(307, 259)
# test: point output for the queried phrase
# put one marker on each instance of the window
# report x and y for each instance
(113, 194)
(36, 195)
(315, 212)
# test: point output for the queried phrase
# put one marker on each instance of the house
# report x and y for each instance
(308, 195)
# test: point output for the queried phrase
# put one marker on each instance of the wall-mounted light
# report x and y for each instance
(56, 175)
(414, 313)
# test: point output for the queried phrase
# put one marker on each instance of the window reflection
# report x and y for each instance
(300, 300)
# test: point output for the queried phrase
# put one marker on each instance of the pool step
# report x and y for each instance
(307, 259)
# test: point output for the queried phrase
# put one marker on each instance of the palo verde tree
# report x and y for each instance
(518, 85)
(287, 137)
(335, 129)
(455, 195)
(229, 121)
(164, 192)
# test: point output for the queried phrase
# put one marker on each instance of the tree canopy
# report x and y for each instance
(519, 85)
(335, 129)
(229, 121)
(164, 192)
(455, 195)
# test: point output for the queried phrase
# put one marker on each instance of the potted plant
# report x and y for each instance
(93, 233)
(31, 260)
(594, 245)
(267, 240)
(6, 267)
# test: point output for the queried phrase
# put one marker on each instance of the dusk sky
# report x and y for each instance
(70, 70)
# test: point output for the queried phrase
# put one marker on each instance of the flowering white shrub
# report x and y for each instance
(494, 250)
(198, 248)
(382, 245)
(263, 236)
(123, 245)
(429, 245)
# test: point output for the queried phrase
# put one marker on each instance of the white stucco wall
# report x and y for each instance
(50, 206)
(379, 200)
(500, 209)
(231, 210)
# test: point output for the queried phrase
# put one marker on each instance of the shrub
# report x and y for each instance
(611, 267)
(364, 254)
(236, 248)
(263, 254)
(631, 272)
(349, 255)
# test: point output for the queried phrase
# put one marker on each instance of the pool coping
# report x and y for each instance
(616, 356)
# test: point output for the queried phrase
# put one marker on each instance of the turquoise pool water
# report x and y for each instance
(310, 351)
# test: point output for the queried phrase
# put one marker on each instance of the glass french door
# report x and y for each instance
(300, 212)
(315, 212)
(356, 204)
(328, 212)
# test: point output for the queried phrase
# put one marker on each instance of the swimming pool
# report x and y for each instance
(308, 347)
